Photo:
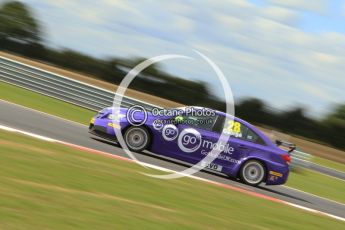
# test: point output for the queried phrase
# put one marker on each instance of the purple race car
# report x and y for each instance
(190, 134)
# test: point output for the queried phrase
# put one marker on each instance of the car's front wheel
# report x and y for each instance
(252, 172)
(137, 138)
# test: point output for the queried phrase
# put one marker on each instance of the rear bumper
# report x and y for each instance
(277, 175)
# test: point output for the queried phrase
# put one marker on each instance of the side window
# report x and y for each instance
(199, 122)
(253, 137)
(236, 129)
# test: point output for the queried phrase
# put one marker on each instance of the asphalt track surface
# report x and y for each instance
(22, 118)
(327, 171)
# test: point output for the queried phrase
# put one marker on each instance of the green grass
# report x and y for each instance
(45, 104)
(329, 163)
(318, 184)
(50, 186)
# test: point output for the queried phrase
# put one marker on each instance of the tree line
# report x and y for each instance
(21, 33)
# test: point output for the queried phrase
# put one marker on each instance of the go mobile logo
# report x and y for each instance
(170, 132)
(189, 140)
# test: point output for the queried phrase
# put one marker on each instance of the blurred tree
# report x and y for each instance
(293, 119)
(335, 124)
(18, 24)
(252, 109)
(339, 113)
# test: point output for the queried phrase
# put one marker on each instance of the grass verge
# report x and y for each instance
(50, 186)
(318, 184)
(329, 163)
(43, 103)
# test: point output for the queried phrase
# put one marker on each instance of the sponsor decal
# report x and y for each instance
(212, 166)
(189, 140)
(157, 124)
(276, 174)
(115, 126)
(117, 116)
(273, 178)
(220, 157)
(226, 148)
(170, 132)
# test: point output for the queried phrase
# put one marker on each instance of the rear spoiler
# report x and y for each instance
(286, 145)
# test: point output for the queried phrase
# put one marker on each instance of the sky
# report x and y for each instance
(285, 52)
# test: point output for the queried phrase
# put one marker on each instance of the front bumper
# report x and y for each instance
(101, 132)
(103, 128)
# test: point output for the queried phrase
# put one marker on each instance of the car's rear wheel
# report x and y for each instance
(137, 138)
(252, 172)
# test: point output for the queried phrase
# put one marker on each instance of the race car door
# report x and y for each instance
(185, 139)
(229, 151)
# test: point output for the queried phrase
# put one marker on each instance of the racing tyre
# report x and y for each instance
(137, 138)
(253, 172)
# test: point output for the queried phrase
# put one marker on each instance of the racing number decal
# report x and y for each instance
(233, 128)
(237, 127)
